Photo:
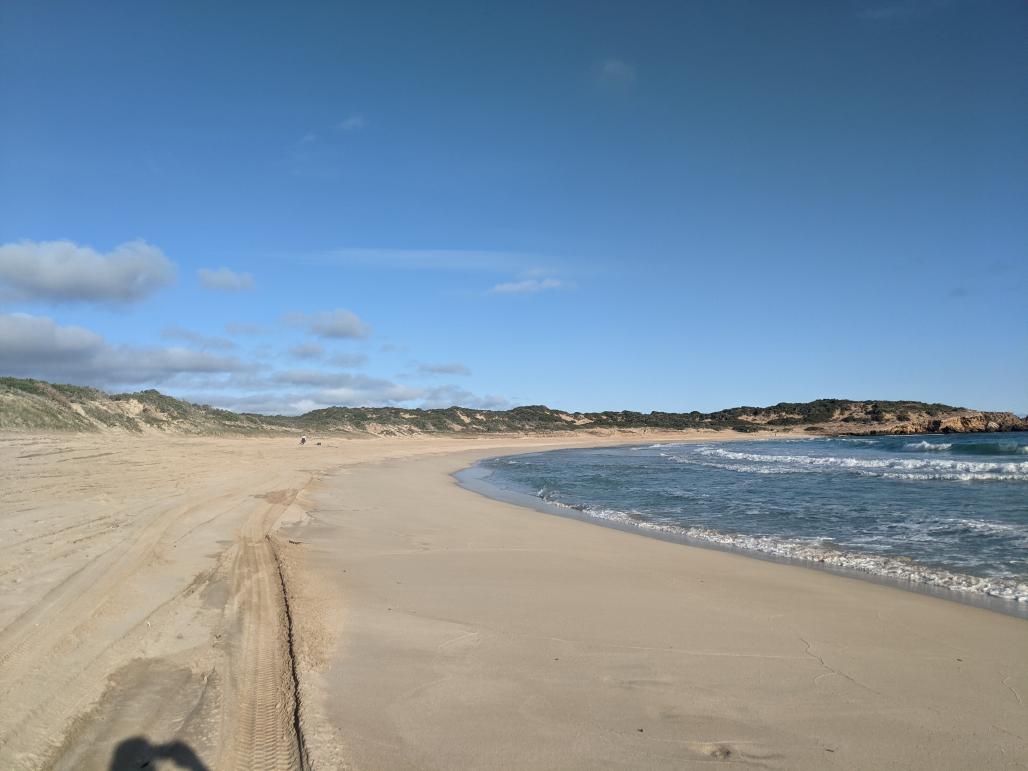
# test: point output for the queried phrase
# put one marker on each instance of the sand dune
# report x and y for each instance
(246, 603)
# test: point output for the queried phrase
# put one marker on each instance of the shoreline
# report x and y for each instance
(472, 478)
(470, 632)
(358, 608)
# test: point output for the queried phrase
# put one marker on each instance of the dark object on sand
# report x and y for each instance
(137, 752)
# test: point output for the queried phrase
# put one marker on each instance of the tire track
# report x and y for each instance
(301, 742)
(58, 655)
(263, 717)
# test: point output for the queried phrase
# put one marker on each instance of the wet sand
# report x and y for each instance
(250, 604)
(470, 633)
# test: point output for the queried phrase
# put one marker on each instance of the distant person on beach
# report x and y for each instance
(303, 439)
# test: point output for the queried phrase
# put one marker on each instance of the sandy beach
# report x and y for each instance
(250, 604)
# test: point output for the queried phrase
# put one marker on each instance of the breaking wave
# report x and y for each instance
(929, 510)
(822, 552)
(924, 446)
(965, 446)
(894, 468)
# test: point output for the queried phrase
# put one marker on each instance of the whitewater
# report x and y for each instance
(946, 513)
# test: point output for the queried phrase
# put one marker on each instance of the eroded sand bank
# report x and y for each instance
(170, 598)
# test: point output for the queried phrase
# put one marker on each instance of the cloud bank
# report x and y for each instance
(348, 360)
(337, 324)
(38, 347)
(307, 351)
(454, 368)
(203, 341)
(63, 271)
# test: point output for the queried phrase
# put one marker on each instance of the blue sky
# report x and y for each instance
(673, 206)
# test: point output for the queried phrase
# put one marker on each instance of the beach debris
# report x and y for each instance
(720, 752)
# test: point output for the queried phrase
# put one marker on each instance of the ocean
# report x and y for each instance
(947, 514)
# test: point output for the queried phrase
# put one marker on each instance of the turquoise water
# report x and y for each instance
(950, 512)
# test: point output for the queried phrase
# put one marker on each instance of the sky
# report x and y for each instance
(651, 205)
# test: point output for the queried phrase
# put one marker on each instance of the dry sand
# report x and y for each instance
(166, 599)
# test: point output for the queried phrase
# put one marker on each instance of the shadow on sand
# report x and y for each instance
(137, 752)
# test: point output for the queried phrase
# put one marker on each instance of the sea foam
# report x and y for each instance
(821, 552)
(896, 468)
(930, 511)
(923, 446)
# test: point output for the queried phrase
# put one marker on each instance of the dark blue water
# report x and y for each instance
(944, 511)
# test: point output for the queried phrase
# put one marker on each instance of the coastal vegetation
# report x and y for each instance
(27, 404)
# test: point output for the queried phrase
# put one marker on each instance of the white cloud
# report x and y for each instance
(348, 360)
(452, 368)
(64, 271)
(331, 389)
(132, 364)
(286, 393)
(225, 280)
(455, 396)
(27, 341)
(371, 389)
(261, 403)
(615, 73)
(528, 286)
(367, 391)
(309, 377)
(353, 122)
(288, 402)
(307, 351)
(238, 328)
(203, 341)
(338, 323)
(36, 346)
